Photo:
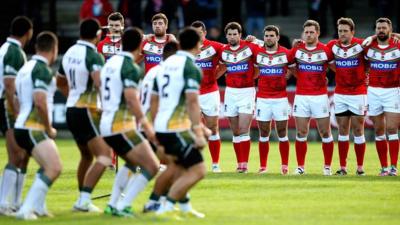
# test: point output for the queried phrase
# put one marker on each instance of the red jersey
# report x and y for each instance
(152, 51)
(350, 67)
(384, 65)
(239, 64)
(109, 46)
(207, 60)
(273, 68)
(311, 66)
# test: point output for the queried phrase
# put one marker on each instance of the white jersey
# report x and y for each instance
(146, 88)
(34, 76)
(12, 58)
(77, 64)
(120, 72)
(179, 76)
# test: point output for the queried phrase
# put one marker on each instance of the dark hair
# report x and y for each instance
(272, 28)
(384, 20)
(198, 24)
(233, 26)
(310, 23)
(116, 16)
(170, 48)
(89, 28)
(346, 21)
(46, 41)
(160, 16)
(188, 38)
(131, 39)
(20, 25)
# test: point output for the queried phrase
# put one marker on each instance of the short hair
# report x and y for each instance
(272, 28)
(198, 24)
(116, 16)
(384, 20)
(170, 48)
(188, 38)
(310, 23)
(20, 25)
(89, 28)
(160, 16)
(46, 41)
(131, 39)
(233, 26)
(346, 21)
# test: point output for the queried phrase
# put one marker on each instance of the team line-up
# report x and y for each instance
(167, 113)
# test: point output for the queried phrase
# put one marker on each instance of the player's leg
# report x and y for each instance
(236, 139)
(84, 164)
(264, 128)
(380, 142)
(284, 145)
(324, 129)
(302, 128)
(245, 142)
(392, 131)
(343, 121)
(357, 125)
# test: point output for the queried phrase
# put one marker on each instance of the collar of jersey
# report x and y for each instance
(127, 54)
(40, 58)
(185, 53)
(82, 42)
(14, 41)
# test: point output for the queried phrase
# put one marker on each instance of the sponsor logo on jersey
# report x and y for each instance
(237, 68)
(347, 63)
(311, 68)
(383, 65)
(153, 59)
(204, 64)
(265, 71)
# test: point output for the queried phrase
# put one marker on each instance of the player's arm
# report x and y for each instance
(9, 86)
(94, 63)
(332, 66)
(62, 84)
(12, 63)
(221, 69)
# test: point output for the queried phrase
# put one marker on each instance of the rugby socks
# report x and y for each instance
(301, 151)
(184, 204)
(214, 144)
(134, 187)
(120, 182)
(37, 193)
(19, 186)
(85, 195)
(236, 147)
(8, 184)
(359, 148)
(327, 148)
(284, 146)
(245, 149)
(263, 149)
(40, 206)
(343, 149)
(382, 149)
(393, 149)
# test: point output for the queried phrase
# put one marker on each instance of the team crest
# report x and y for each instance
(280, 59)
(319, 56)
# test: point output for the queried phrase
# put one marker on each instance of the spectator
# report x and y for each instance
(98, 9)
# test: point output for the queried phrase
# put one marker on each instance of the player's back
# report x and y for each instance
(77, 64)
(178, 72)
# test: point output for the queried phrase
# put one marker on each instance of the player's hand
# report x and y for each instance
(250, 38)
(367, 42)
(200, 142)
(51, 132)
(396, 39)
(297, 42)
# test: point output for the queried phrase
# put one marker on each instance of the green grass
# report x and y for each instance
(231, 198)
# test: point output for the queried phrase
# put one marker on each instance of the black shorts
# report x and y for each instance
(180, 145)
(124, 142)
(83, 123)
(7, 119)
(346, 114)
(153, 147)
(28, 139)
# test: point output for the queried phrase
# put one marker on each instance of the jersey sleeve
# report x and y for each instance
(13, 61)
(41, 78)
(329, 53)
(192, 76)
(291, 57)
(100, 47)
(130, 75)
(94, 61)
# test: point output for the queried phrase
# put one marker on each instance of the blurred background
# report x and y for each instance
(63, 16)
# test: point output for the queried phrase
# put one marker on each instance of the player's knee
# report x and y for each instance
(282, 132)
(104, 160)
(302, 132)
(358, 131)
(325, 134)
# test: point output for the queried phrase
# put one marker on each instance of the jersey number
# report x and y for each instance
(107, 93)
(72, 78)
(145, 92)
(163, 93)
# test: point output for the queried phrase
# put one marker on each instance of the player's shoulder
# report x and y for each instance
(357, 40)
(283, 49)
(331, 43)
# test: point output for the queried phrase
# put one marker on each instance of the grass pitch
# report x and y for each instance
(231, 198)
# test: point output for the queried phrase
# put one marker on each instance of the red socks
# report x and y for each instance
(382, 149)
(214, 144)
(263, 149)
(301, 151)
